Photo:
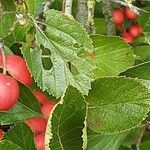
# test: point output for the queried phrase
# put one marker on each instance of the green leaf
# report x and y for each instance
(27, 107)
(35, 6)
(144, 20)
(7, 17)
(7, 51)
(117, 104)
(112, 56)
(39, 5)
(22, 136)
(7, 5)
(68, 122)
(142, 52)
(141, 71)
(18, 113)
(61, 44)
(31, 6)
(104, 142)
(8, 145)
(18, 35)
(28, 99)
(74, 36)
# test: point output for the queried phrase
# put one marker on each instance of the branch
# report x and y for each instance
(144, 126)
(68, 7)
(107, 11)
(133, 7)
(46, 6)
(20, 2)
(91, 8)
(82, 14)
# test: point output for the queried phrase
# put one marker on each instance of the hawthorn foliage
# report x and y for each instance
(79, 86)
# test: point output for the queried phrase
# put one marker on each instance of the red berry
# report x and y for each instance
(130, 14)
(40, 141)
(9, 92)
(37, 125)
(118, 16)
(1, 134)
(47, 108)
(40, 96)
(128, 38)
(135, 30)
(17, 67)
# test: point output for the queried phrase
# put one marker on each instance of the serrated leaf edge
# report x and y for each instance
(125, 130)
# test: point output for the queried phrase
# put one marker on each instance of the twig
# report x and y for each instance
(47, 5)
(20, 2)
(129, 5)
(107, 11)
(68, 7)
(140, 44)
(144, 126)
(91, 8)
(82, 14)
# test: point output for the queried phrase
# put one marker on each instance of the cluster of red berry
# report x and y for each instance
(9, 94)
(16, 66)
(122, 15)
(38, 124)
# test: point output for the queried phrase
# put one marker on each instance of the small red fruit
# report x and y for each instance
(1, 134)
(37, 125)
(130, 14)
(40, 96)
(135, 30)
(118, 16)
(17, 67)
(47, 108)
(128, 38)
(40, 141)
(9, 92)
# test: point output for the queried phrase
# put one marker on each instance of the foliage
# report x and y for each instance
(101, 84)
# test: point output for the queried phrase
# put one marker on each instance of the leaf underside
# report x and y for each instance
(64, 49)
